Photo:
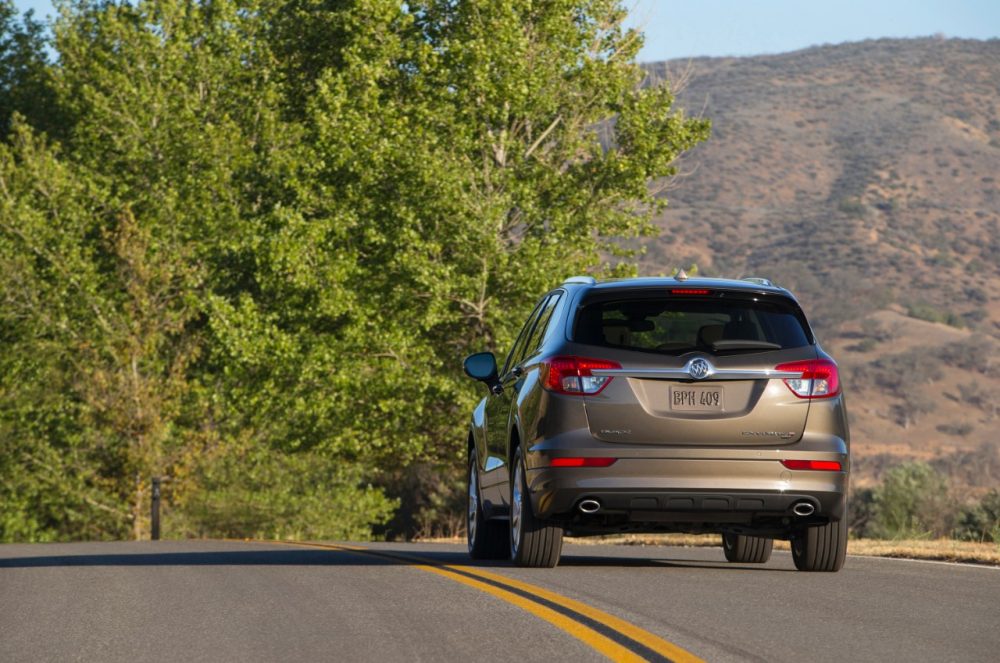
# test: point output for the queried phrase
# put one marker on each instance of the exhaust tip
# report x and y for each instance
(803, 509)
(590, 506)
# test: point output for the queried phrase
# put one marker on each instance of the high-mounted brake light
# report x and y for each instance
(572, 375)
(825, 465)
(689, 291)
(602, 461)
(820, 378)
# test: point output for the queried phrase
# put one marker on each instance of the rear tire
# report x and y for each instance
(822, 548)
(487, 539)
(745, 549)
(533, 542)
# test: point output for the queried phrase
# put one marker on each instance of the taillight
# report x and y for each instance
(601, 461)
(820, 378)
(826, 465)
(689, 291)
(572, 375)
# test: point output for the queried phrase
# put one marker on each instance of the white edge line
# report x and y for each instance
(992, 567)
(884, 558)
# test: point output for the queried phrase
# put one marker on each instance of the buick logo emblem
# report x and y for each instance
(699, 368)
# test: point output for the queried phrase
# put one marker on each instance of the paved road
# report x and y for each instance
(232, 601)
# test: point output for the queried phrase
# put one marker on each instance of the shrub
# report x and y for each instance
(889, 205)
(853, 207)
(865, 345)
(875, 330)
(860, 511)
(961, 429)
(971, 354)
(976, 295)
(981, 522)
(912, 502)
(256, 493)
(978, 396)
(899, 372)
(974, 317)
(911, 407)
(929, 313)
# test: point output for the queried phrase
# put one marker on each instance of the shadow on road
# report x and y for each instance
(321, 557)
(634, 562)
(216, 558)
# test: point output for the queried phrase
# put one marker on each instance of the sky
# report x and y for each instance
(692, 28)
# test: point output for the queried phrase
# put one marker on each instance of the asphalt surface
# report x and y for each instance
(234, 601)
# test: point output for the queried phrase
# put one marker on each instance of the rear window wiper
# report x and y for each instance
(739, 344)
(672, 349)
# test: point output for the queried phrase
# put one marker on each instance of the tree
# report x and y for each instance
(25, 76)
(479, 152)
(58, 467)
(268, 231)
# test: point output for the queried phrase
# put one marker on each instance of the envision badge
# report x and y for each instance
(784, 435)
(616, 431)
(699, 368)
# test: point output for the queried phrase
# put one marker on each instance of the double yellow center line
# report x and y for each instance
(615, 638)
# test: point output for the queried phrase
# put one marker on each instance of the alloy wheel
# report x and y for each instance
(516, 506)
(473, 511)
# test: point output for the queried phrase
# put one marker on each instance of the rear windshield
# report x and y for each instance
(678, 325)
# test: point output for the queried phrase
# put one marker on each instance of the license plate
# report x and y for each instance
(696, 399)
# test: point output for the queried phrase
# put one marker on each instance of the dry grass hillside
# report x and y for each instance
(866, 178)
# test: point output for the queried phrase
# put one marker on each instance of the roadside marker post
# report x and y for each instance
(155, 506)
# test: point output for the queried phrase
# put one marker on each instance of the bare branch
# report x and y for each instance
(544, 135)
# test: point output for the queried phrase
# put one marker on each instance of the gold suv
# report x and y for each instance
(661, 405)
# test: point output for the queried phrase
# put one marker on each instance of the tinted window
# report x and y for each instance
(541, 327)
(676, 326)
(522, 338)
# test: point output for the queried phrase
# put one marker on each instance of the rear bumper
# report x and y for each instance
(653, 506)
(737, 490)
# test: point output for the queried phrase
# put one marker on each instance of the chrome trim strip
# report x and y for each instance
(683, 374)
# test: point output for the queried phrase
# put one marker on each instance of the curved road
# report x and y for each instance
(236, 601)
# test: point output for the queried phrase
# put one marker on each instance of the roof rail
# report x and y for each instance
(584, 280)
(758, 281)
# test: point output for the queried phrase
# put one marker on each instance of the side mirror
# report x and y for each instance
(482, 366)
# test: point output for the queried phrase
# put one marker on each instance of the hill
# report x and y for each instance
(863, 176)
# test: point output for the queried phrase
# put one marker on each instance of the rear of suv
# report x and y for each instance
(661, 405)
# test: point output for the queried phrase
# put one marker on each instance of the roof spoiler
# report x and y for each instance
(758, 280)
(582, 280)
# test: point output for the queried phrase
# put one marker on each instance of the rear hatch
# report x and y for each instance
(698, 367)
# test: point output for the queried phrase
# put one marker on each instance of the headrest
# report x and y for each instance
(709, 334)
(742, 330)
(617, 334)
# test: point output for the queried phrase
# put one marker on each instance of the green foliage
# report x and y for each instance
(55, 393)
(981, 522)
(25, 81)
(922, 311)
(911, 502)
(435, 504)
(691, 270)
(256, 492)
(261, 235)
(853, 207)
(860, 511)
